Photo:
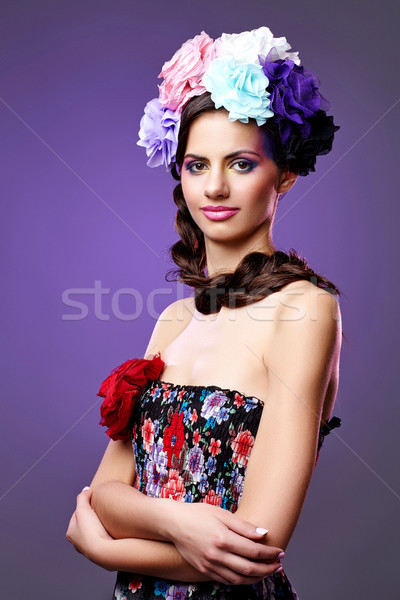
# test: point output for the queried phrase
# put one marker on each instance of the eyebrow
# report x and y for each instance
(231, 155)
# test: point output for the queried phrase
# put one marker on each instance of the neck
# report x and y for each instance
(223, 257)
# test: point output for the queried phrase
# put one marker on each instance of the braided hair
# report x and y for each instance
(257, 275)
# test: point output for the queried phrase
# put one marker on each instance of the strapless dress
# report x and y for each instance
(192, 443)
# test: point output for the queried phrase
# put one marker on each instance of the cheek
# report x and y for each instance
(190, 189)
(260, 198)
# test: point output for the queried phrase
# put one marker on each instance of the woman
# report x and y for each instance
(206, 504)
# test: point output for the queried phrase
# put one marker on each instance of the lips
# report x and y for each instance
(218, 208)
(219, 213)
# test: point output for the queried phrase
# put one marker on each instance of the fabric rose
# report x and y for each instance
(158, 133)
(120, 391)
(302, 152)
(240, 89)
(247, 46)
(183, 73)
(294, 95)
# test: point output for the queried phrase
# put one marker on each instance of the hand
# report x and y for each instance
(220, 544)
(85, 530)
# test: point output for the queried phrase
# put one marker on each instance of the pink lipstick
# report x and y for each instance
(219, 213)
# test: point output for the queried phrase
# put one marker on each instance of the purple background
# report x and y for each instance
(79, 206)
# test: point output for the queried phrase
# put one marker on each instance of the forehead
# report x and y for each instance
(213, 133)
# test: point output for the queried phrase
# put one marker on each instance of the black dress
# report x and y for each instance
(192, 443)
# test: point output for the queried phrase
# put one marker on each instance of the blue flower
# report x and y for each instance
(160, 587)
(251, 403)
(158, 133)
(223, 415)
(220, 488)
(203, 483)
(189, 497)
(211, 465)
(240, 88)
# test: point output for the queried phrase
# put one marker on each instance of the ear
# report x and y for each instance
(287, 180)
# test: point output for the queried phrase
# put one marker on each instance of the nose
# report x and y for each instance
(216, 184)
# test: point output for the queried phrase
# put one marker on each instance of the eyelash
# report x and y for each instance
(250, 165)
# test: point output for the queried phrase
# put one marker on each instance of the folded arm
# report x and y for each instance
(220, 549)
(302, 362)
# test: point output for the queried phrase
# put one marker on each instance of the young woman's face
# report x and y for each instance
(226, 167)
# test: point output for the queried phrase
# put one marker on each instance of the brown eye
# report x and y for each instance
(195, 167)
(244, 166)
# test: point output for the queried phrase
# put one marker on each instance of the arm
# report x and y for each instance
(302, 362)
(190, 542)
(149, 557)
(122, 509)
(217, 542)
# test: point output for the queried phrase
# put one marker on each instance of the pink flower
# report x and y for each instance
(174, 488)
(148, 434)
(196, 437)
(135, 583)
(183, 73)
(239, 400)
(215, 447)
(212, 498)
(241, 446)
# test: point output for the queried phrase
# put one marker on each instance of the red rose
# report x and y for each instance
(120, 391)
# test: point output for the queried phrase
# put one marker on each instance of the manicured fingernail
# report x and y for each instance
(278, 570)
(281, 555)
(86, 488)
(261, 531)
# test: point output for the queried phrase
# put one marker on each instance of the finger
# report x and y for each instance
(243, 527)
(71, 526)
(83, 499)
(248, 568)
(236, 544)
(229, 577)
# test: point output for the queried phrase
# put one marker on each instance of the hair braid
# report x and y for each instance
(257, 275)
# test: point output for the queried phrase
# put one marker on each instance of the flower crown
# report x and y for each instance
(252, 75)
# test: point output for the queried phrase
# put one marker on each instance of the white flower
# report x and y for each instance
(245, 47)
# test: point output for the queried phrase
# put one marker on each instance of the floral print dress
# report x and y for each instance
(192, 443)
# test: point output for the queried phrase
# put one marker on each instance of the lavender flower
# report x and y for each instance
(158, 133)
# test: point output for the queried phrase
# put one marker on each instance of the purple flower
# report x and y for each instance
(177, 592)
(156, 469)
(158, 133)
(294, 95)
(194, 463)
(213, 404)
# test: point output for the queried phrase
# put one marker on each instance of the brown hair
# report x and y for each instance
(257, 275)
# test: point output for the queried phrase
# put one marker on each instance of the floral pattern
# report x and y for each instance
(192, 444)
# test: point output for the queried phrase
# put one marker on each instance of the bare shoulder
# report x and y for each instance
(302, 300)
(171, 322)
(308, 317)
